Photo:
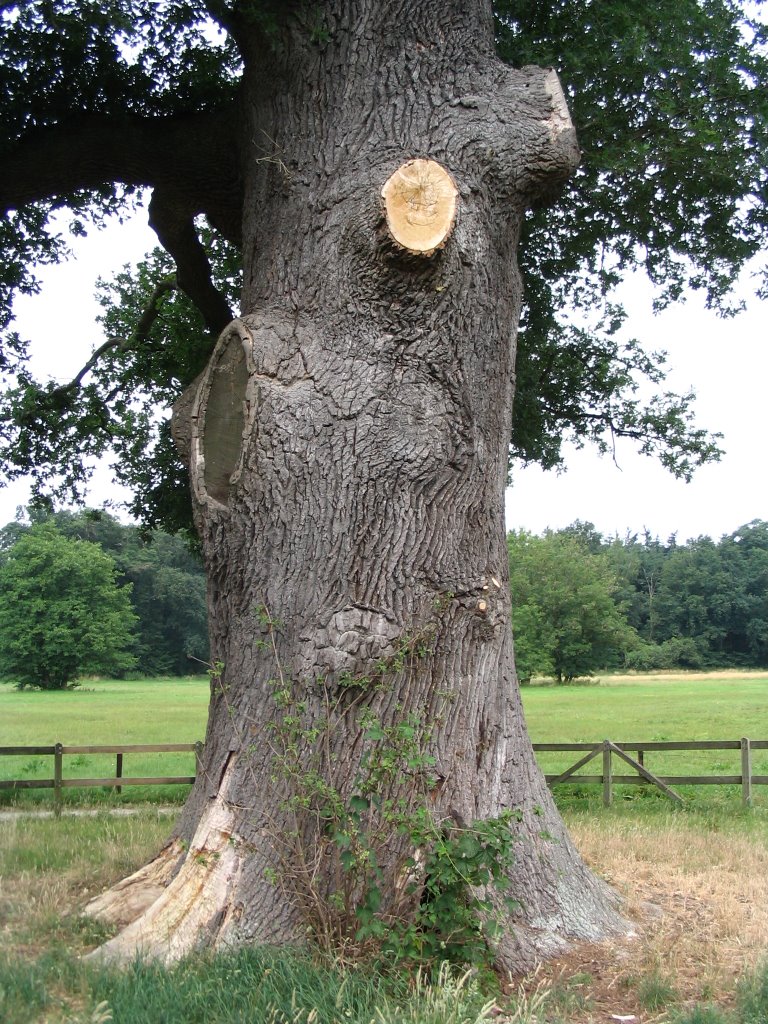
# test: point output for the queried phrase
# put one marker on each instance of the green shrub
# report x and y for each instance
(62, 613)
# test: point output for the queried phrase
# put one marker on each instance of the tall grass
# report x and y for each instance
(48, 870)
(708, 881)
(257, 986)
(751, 1004)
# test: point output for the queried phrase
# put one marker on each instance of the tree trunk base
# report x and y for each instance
(132, 896)
(178, 902)
(190, 899)
(589, 913)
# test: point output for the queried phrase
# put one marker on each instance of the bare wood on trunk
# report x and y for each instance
(420, 201)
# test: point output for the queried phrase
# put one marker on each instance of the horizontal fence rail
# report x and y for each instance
(58, 751)
(606, 749)
(643, 777)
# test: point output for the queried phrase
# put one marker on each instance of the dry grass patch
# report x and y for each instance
(663, 676)
(699, 901)
(697, 890)
(48, 870)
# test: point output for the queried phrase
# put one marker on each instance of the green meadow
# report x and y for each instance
(710, 706)
(695, 706)
(624, 709)
(104, 712)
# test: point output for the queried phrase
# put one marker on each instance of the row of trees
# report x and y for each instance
(82, 593)
(583, 602)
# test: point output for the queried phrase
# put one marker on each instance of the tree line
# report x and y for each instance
(583, 602)
(82, 593)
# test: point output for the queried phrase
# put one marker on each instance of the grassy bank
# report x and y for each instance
(699, 910)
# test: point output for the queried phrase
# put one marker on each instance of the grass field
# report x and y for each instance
(658, 707)
(621, 708)
(700, 706)
(695, 882)
(104, 712)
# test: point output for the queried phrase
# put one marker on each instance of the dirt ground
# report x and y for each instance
(698, 905)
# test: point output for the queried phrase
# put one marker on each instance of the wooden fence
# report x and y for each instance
(59, 750)
(608, 749)
(607, 779)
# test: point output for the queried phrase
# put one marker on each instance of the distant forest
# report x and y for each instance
(167, 592)
(581, 602)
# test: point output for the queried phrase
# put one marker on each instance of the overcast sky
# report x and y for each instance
(725, 361)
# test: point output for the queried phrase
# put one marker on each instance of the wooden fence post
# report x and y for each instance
(57, 766)
(746, 772)
(119, 772)
(607, 774)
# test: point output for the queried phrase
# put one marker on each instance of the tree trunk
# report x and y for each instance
(348, 445)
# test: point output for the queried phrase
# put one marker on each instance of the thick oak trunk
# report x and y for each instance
(348, 446)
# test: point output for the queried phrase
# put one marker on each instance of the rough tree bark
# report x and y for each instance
(348, 446)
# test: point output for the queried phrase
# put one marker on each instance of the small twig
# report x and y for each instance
(273, 158)
(199, 661)
(140, 335)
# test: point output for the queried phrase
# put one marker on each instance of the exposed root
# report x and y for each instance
(180, 915)
(130, 897)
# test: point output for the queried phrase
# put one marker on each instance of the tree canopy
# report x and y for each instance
(699, 604)
(62, 613)
(104, 100)
(565, 617)
(584, 603)
(166, 585)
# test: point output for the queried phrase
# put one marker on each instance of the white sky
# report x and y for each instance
(725, 361)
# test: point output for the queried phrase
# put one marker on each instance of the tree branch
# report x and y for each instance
(190, 161)
(89, 151)
(173, 221)
(141, 334)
